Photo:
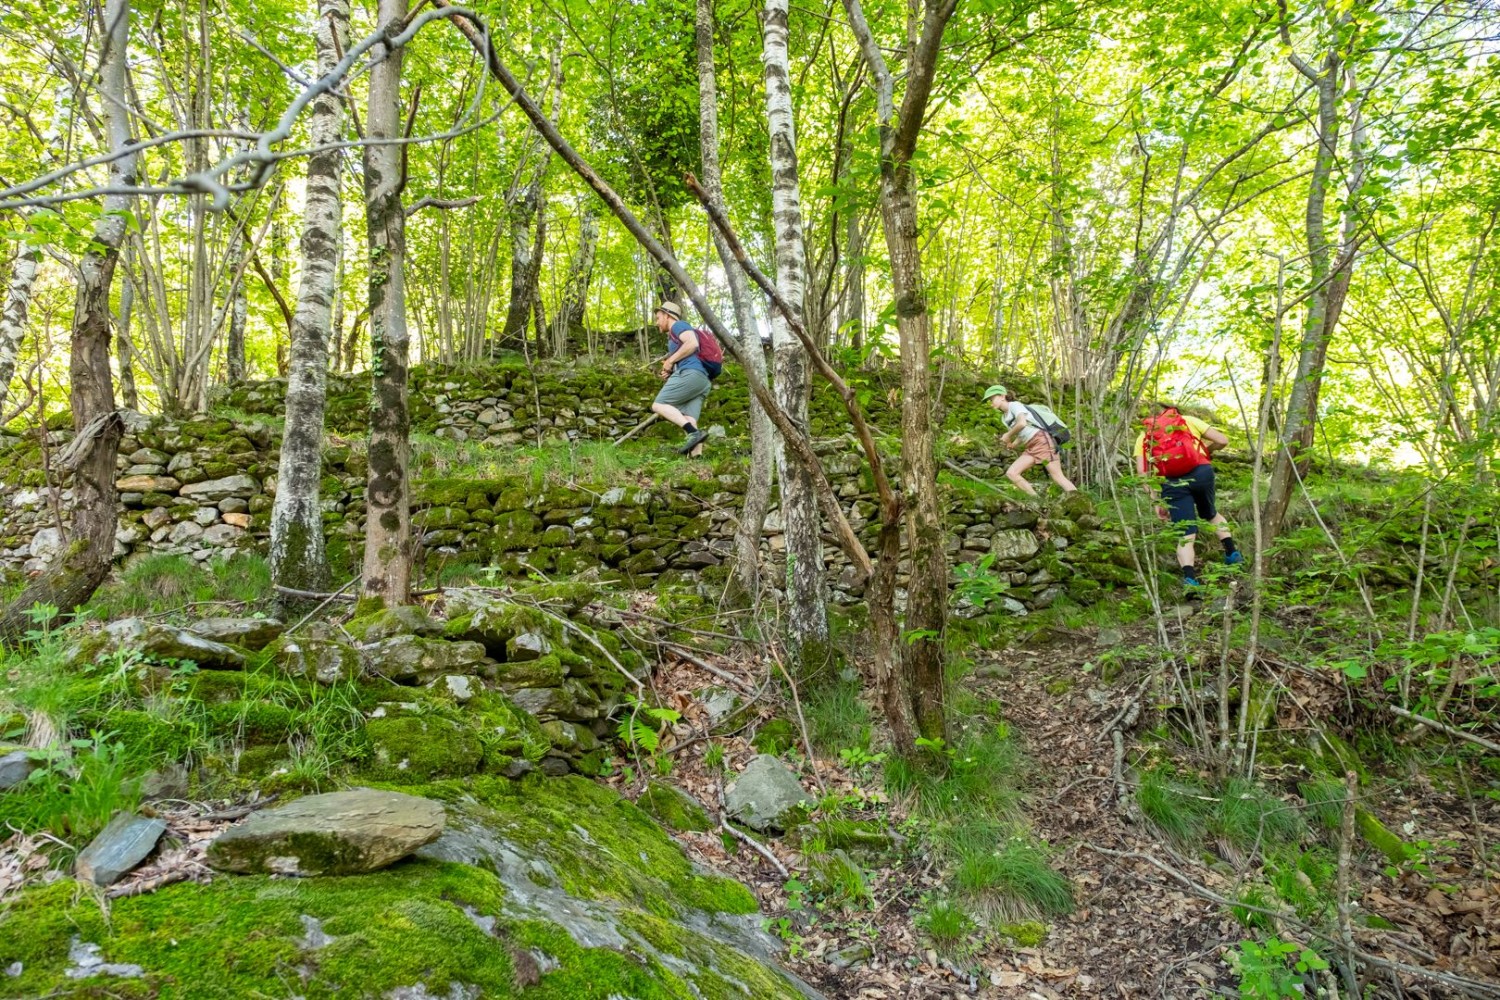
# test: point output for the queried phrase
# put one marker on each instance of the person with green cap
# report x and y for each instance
(1037, 446)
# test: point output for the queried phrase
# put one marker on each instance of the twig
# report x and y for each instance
(812, 760)
(313, 595)
(1346, 845)
(325, 602)
(724, 675)
(240, 811)
(638, 428)
(146, 885)
(1445, 728)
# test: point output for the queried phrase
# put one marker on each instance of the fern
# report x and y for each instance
(635, 734)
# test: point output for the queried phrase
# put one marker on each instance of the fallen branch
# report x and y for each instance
(638, 428)
(239, 811)
(1445, 728)
(146, 885)
(684, 653)
(313, 595)
(325, 602)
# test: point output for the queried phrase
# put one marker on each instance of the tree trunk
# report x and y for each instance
(126, 349)
(234, 347)
(927, 588)
(13, 319)
(752, 517)
(852, 313)
(388, 547)
(84, 564)
(522, 213)
(1323, 306)
(298, 560)
(806, 590)
(570, 313)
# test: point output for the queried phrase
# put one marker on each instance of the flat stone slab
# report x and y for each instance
(337, 833)
(765, 795)
(165, 642)
(249, 633)
(214, 490)
(120, 846)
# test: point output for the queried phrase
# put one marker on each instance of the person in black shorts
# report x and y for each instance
(1177, 447)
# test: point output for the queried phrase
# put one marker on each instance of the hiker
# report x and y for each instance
(1177, 447)
(687, 383)
(1038, 445)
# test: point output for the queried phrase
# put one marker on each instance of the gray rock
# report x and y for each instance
(460, 687)
(326, 661)
(214, 490)
(527, 646)
(1014, 543)
(15, 767)
(156, 517)
(765, 795)
(248, 633)
(181, 460)
(233, 505)
(204, 516)
(183, 532)
(337, 833)
(408, 659)
(720, 703)
(46, 543)
(166, 643)
(851, 957)
(142, 483)
(405, 619)
(1012, 606)
(223, 534)
(168, 782)
(120, 846)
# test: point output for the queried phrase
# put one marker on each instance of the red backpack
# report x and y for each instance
(1171, 446)
(709, 352)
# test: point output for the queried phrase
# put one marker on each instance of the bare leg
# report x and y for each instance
(1221, 526)
(669, 413)
(1017, 473)
(1055, 470)
(1186, 555)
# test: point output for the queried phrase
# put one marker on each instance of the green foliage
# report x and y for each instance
(837, 717)
(1275, 968)
(1011, 874)
(166, 582)
(74, 792)
(947, 925)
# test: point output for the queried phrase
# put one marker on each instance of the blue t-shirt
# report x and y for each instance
(674, 341)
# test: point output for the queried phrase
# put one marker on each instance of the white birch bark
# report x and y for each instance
(13, 319)
(762, 434)
(807, 611)
(298, 558)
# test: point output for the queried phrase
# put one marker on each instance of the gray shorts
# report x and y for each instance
(686, 390)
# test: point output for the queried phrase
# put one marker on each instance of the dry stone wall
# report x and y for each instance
(204, 486)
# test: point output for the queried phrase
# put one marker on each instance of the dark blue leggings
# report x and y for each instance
(1191, 498)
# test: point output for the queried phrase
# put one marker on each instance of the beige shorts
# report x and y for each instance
(1041, 448)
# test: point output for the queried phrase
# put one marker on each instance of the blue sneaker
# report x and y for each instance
(1234, 558)
(1191, 583)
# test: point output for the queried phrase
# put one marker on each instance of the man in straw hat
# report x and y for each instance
(686, 381)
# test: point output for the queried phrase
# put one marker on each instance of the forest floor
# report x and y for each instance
(1144, 924)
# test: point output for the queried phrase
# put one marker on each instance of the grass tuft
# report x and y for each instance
(1175, 809)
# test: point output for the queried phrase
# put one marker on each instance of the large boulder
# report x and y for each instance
(336, 833)
(1014, 543)
(766, 796)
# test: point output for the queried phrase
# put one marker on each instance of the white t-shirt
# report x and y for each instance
(1015, 411)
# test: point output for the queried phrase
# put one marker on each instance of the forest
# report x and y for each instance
(385, 565)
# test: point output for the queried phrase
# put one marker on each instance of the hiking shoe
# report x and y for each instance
(694, 440)
(1191, 585)
(1234, 558)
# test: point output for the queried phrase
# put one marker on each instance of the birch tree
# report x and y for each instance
(388, 555)
(13, 318)
(807, 608)
(762, 435)
(298, 559)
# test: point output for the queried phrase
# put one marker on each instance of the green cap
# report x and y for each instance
(996, 390)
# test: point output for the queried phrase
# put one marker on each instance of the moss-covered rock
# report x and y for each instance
(412, 749)
(673, 807)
